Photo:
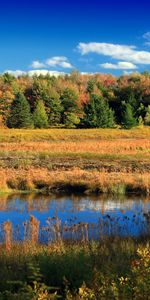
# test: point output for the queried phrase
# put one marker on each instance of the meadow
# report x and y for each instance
(86, 160)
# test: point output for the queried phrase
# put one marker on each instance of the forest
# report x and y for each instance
(75, 101)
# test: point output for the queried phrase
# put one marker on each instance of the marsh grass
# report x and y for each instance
(7, 227)
(98, 160)
(74, 181)
(34, 225)
(73, 230)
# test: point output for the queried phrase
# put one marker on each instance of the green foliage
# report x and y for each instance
(69, 98)
(141, 111)
(71, 120)
(70, 109)
(8, 78)
(129, 120)
(112, 269)
(20, 116)
(39, 116)
(140, 121)
(98, 114)
(90, 86)
(71, 95)
(147, 116)
(55, 109)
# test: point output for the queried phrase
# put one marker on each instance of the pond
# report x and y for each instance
(76, 217)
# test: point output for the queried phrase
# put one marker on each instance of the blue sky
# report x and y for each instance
(90, 36)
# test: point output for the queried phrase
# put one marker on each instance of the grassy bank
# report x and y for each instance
(98, 160)
(110, 269)
(75, 180)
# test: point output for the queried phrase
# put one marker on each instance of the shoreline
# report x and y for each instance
(74, 181)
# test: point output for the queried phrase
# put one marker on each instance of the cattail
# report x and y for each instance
(34, 225)
(7, 226)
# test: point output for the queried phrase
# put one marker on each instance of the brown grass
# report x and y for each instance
(110, 160)
(7, 227)
(117, 146)
(90, 180)
(34, 225)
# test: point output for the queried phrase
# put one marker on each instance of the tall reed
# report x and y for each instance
(34, 225)
(7, 227)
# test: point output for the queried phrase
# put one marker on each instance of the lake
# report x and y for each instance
(76, 217)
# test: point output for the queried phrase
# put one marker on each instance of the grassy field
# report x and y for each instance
(95, 160)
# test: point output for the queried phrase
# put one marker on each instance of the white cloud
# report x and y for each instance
(87, 73)
(37, 64)
(122, 65)
(127, 72)
(60, 61)
(15, 73)
(116, 51)
(45, 72)
(35, 72)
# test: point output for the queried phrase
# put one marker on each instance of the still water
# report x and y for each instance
(75, 216)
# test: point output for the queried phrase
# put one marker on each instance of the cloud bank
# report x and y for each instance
(116, 51)
(31, 73)
(122, 65)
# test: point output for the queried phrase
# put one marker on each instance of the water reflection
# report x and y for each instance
(75, 216)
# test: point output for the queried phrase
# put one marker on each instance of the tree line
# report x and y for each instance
(75, 101)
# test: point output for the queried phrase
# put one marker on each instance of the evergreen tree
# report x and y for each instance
(140, 121)
(71, 120)
(20, 115)
(70, 109)
(98, 114)
(90, 86)
(55, 109)
(129, 120)
(147, 116)
(39, 116)
(69, 98)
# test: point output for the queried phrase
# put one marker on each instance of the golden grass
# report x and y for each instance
(33, 159)
(92, 180)
(12, 135)
(117, 146)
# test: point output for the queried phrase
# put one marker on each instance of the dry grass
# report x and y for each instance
(117, 146)
(106, 160)
(14, 135)
(7, 226)
(90, 181)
